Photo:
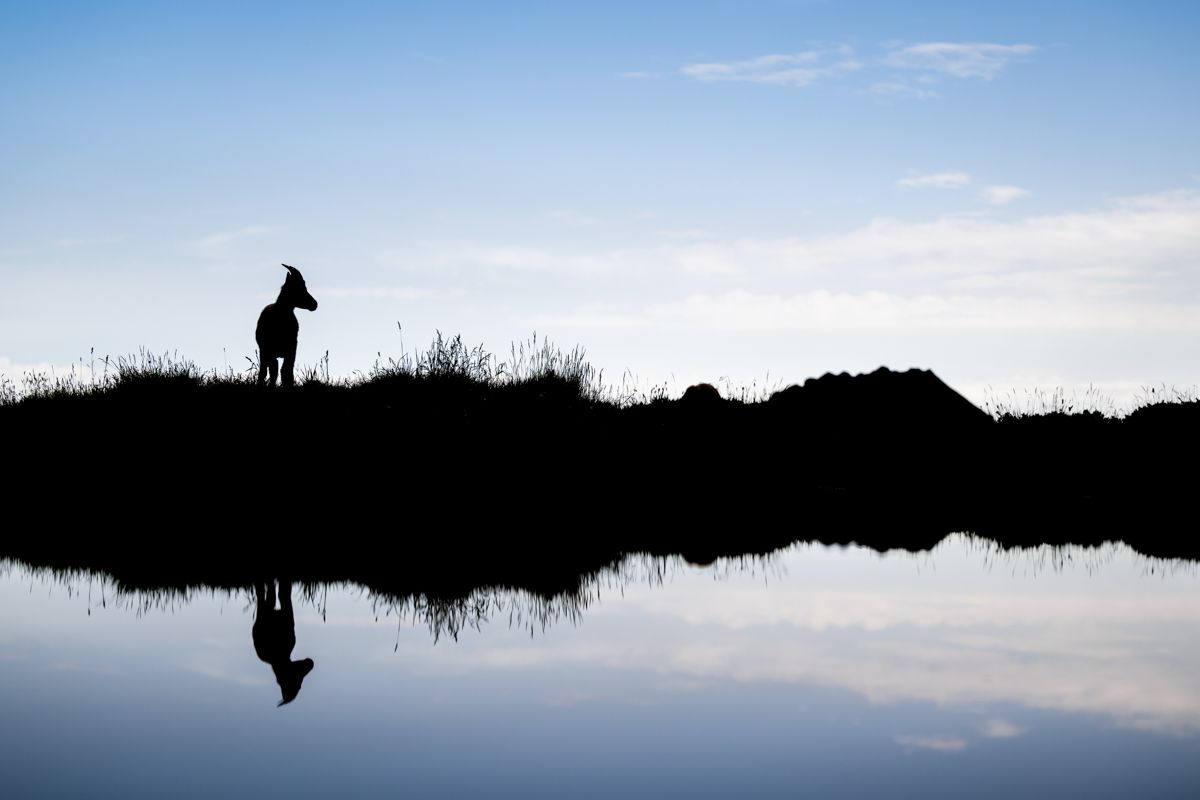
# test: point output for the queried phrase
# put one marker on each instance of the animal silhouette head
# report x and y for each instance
(290, 675)
(295, 293)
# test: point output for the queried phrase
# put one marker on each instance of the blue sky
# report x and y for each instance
(1005, 193)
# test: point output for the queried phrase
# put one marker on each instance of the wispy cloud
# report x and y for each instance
(901, 89)
(1124, 267)
(915, 69)
(1003, 195)
(958, 59)
(222, 238)
(779, 69)
(826, 310)
(935, 180)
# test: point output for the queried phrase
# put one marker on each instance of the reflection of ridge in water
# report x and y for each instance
(449, 615)
(995, 667)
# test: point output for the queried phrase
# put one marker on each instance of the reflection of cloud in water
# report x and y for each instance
(1001, 729)
(62, 665)
(210, 665)
(1095, 631)
(1138, 689)
(817, 610)
(940, 744)
(1129, 650)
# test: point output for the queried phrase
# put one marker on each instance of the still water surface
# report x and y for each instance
(820, 672)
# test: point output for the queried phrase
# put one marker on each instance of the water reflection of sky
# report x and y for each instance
(825, 672)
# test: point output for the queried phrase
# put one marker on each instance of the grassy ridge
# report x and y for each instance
(452, 468)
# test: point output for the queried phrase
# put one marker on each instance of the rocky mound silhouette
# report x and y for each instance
(882, 400)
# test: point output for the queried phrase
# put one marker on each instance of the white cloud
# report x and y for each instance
(940, 744)
(1003, 195)
(222, 238)
(783, 69)
(1142, 237)
(1133, 235)
(958, 59)
(1126, 266)
(939, 180)
(825, 310)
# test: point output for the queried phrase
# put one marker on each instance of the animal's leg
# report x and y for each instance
(273, 366)
(289, 362)
(262, 369)
(285, 602)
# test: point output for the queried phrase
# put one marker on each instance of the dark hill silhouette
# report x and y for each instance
(881, 400)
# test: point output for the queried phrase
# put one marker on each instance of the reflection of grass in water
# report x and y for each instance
(1033, 560)
(452, 615)
(102, 591)
(443, 616)
(449, 616)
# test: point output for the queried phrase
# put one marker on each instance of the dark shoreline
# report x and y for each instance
(443, 482)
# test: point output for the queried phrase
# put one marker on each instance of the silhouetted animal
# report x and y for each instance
(278, 329)
(274, 635)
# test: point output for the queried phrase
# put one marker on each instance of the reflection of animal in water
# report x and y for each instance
(275, 635)
(278, 330)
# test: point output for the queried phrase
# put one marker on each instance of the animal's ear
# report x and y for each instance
(295, 272)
